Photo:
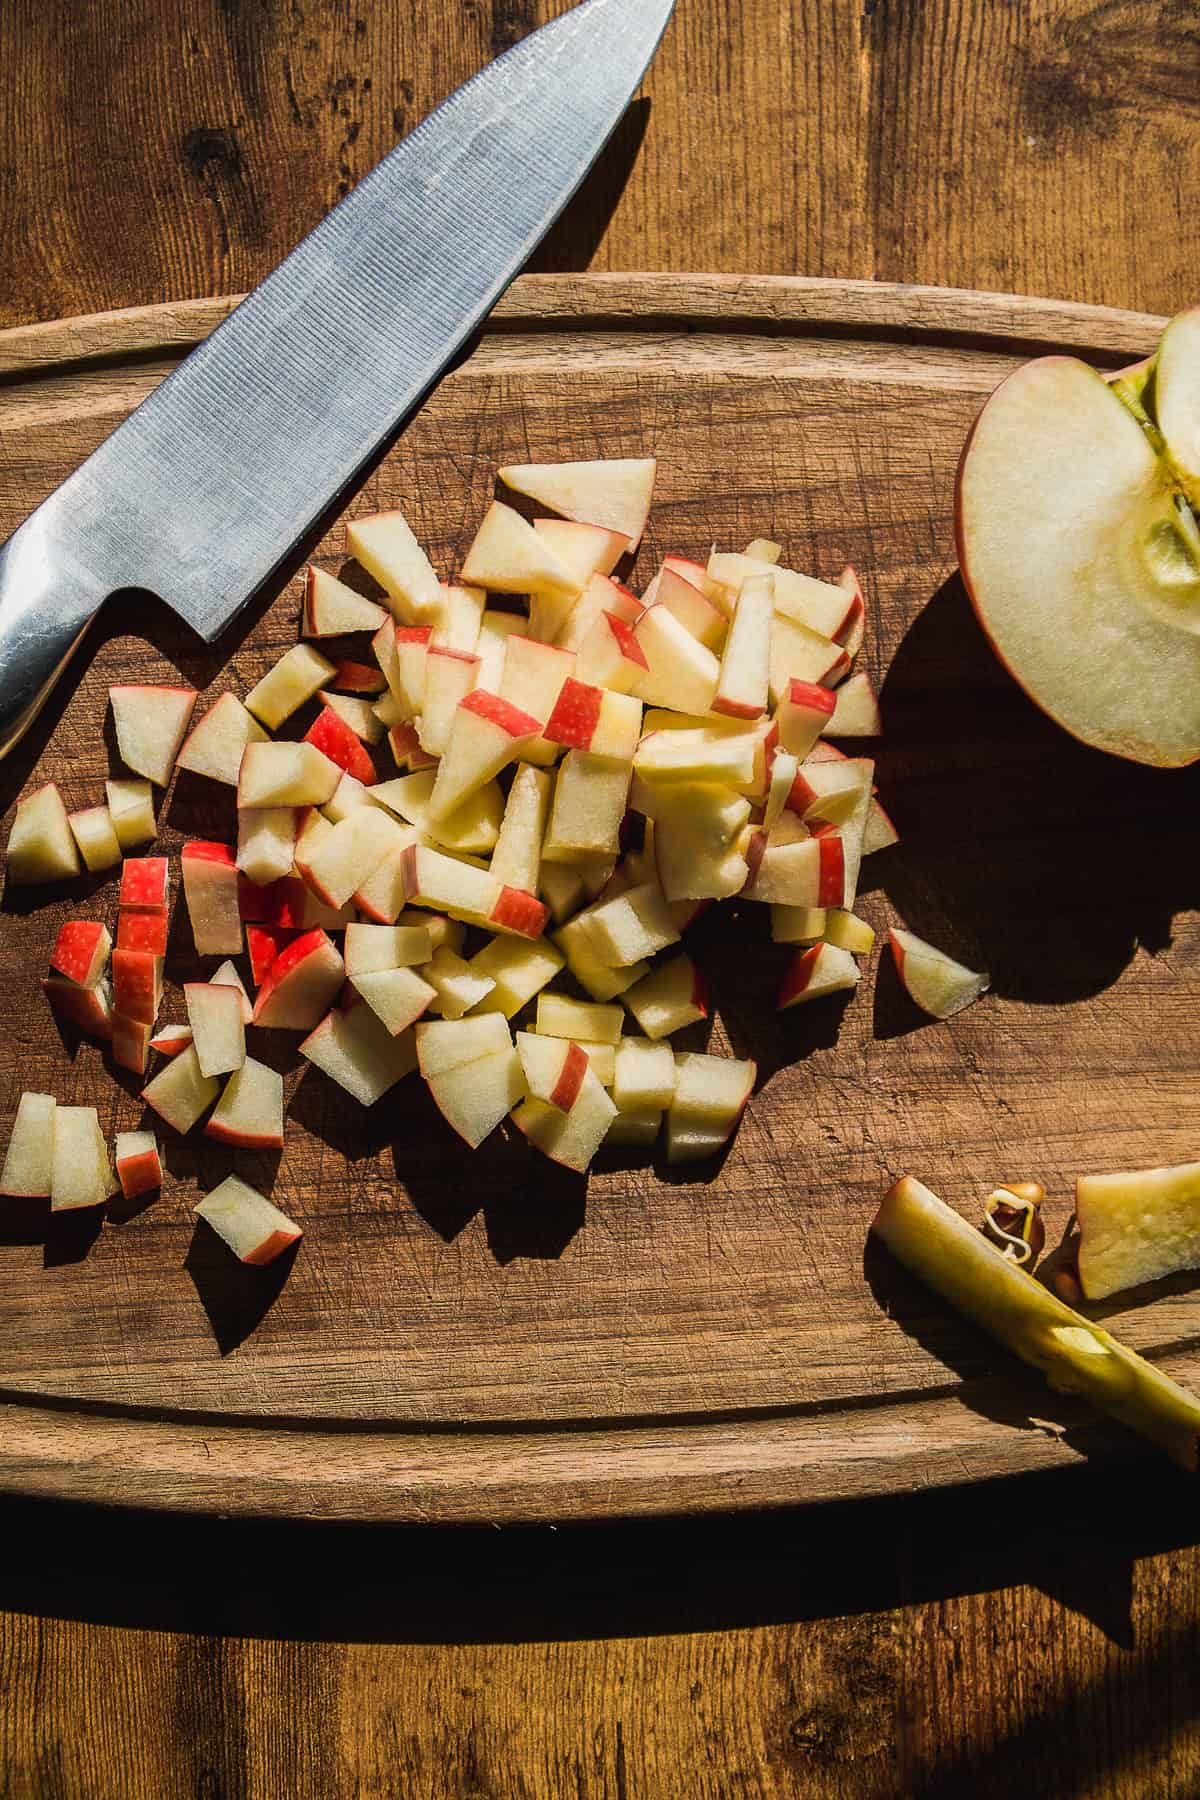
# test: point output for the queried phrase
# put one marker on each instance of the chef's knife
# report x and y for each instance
(200, 494)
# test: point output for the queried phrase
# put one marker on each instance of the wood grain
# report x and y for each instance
(466, 1337)
(1037, 146)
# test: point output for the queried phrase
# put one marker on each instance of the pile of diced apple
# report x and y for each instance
(579, 774)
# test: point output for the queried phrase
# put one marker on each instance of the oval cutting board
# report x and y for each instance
(478, 1336)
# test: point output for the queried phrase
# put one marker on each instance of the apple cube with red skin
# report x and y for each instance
(150, 725)
(144, 884)
(856, 712)
(820, 605)
(355, 1049)
(144, 931)
(215, 746)
(382, 897)
(644, 1075)
(139, 1165)
(263, 945)
(673, 995)
(449, 677)
(171, 1040)
(553, 1068)
(99, 846)
(301, 984)
(595, 719)
(227, 976)
(397, 997)
(798, 654)
(939, 985)
(250, 1110)
(41, 844)
(180, 1093)
(88, 1009)
(80, 1173)
(821, 969)
(570, 1136)
(29, 1158)
(574, 622)
(802, 715)
(81, 951)
(488, 732)
(351, 854)
(610, 656)
(331, 609)
(695, 612)
(210, 886)
(404, 742)
(811, 872)
(387, 549)
(532, 679)
(218, 1032)
(474, 1097)
(131, 809)
(680, 672)
(586, 550)
(614, 492)
(247, 1223)
(358, 678)
(130, 1043)
(335, 739)
(137, 985)
(854, 627)
(460, 615)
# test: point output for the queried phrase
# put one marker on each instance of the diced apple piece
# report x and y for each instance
(131, 809)
(879, 832)
(802, 715)
(373, 947)
(145, 931)
(831, 788)
(554, 1068)
(457, 986)
(820, 605)
(227, 976)
(331, 609)
(517, 971)
(488, 733)
(130, 1043)
(697, 832)
(1137, 1227)
(137, 985)
(629, 926)
(250, 1110)
(811, 872)
(570, 623)
(475, 1097)
(358, 715)
(821, 969)
(610, 656)
(848, 932)
(145, 884)
(689, 604)
(446, 1045)
(266, 845)
(532, 679)
(360, 678)
(590, 797)
(670, 997)
(180, 1092)
(405, 746)
(561, 1017)
(300, 985)
(210, 886)
(742, 691)
(356, 1050)
(349, 795)
(150, 725)
(522, 914)
(798, 924)
(594, 976)
(99, 846)
(614, 493)
(460, 614)
(516, 858)
(247, 1223)
(335, 739)
(710, 1097)
(218, 1033)
(1076, 1355)
(139, 1165)
(81, 951)
(644, 1075)
(680, 671)
(720, 753)
(856, 712)
(351, 854)
(385, 546)
(389, 713)
(286, 775)
(80, 1174)
(495, 629)
(509, 557)
(445, 884)
(299, 674)
(171, 1040)
(397, 997)
(41, 845)
(634, 1128)
(382, 897)
(88, 1009)
(450, 676)
(939, 985)
(215, 746)
(798, 654)
(596, 720)
(28, 1161)
(573, 1137)
(562, 887)
(586, 550)
(295, 907)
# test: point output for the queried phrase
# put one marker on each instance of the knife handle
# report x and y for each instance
(47, 603)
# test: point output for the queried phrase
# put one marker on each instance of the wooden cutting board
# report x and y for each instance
(466, 1337)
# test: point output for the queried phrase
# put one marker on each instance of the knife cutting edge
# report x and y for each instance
(201, 493)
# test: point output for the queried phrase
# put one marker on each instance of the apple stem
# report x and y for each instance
(1076, 1356)
(1012, 1221)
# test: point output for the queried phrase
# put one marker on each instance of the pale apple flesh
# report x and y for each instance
(1136, 1227)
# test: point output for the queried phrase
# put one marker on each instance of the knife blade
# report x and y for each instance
(201, 493)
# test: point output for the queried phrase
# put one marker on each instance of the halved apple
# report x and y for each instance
(1080, 564)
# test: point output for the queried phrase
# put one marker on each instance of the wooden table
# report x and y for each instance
(1037, 1636)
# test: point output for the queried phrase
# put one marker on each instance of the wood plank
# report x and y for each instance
(484, 1337)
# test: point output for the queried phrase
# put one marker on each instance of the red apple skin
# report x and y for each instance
(77, 949)
(286, 963)
(334, 738)
(271, 1247)
(263, 944)
(576, 715)
(204, 850)
(358, 678)
(755, 851)
(414, 634)
(798, 976)
(130, 1042)
(407, 750)
(736, 709)
(508, 718)
(812, 696)
(144, 883)
(135, 985)
(520, 912)
(801, 794)
(145, 931)
(78, 1006)
(570, 1077)
(139, 1174)
(831, 880)
(167, 1046)
(243, 1140)
(626, 640)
